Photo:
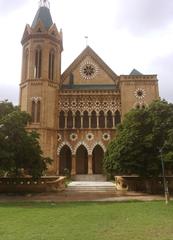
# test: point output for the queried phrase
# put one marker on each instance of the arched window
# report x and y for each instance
(33, 111)
(143, 106)
(85, 120)
(65, 160)
(38, 111)
(70, 119)
(61, 120)
(117, 117)
(93, 119)
(109, 119)
(101, 119)
(51, 64)
(26, 58)
(38, 62)
(77, 120)
(137, 106)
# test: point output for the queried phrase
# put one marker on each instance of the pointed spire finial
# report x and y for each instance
(44, 3)
(86, 39)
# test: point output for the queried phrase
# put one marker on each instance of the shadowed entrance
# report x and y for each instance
(97, 160)
(81, 160)
(65, 159)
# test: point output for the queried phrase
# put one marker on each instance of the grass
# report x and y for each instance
(86, 221)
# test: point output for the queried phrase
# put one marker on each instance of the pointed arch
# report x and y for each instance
(85, 120)
(65, 159)
(26, 61)
(69, 119)
(51, 64)
(101, 119)
(62, 145)
(81, 160)
(100, 144)
(38, 62)
(77, 119)
(93, 119)
(38, 111)
(33, 111)
(109, 119)
(117, 117)
(84, 144)
(97, 159)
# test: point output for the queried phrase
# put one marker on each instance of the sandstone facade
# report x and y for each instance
(75, 112)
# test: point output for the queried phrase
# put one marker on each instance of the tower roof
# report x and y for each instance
(135, 72)
(43, 15)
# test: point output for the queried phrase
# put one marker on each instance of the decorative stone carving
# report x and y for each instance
(89, 136)
(73, 136)
(106, 136)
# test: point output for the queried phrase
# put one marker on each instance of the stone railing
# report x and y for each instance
(28, 184)
(139, 184)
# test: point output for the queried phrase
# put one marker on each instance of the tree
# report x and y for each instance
(19, 149)
(141, 136)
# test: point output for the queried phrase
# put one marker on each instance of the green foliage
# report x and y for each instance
(141, 136)
(19, 149)
(6, 107)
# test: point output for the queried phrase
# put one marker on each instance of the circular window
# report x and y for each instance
(89, 136)
(139, 93)
(88, 70)
(73, 136)
(106, 136)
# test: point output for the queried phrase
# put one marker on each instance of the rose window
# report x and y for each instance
(139, 93)
(88, 70)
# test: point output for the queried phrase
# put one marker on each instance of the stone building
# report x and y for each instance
(75, 112)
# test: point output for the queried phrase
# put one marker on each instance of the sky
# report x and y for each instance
(126, 34)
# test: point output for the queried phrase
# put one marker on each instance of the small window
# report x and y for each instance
(51, 64)
(38, 62)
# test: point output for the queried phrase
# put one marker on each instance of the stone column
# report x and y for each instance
(113, 116)
(89, 120)
(90, 167)
(106, 122)
(81, 121)
(73, 169)
(73, 121)
(65, 121)
(97, 120)
(57, 165)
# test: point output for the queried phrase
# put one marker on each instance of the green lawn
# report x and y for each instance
(86, 221)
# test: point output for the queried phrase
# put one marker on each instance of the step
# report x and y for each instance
(87, 177)
(90, 186)
(91, 189)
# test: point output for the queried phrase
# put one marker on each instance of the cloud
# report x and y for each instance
(141, 16)
(163, 67)
(7, 6)
(10, 92)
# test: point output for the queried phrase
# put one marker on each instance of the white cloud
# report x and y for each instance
(126, 34)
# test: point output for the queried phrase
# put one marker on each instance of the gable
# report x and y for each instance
(26, 33)
(88, 69)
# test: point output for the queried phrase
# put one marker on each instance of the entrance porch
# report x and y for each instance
(80, 163)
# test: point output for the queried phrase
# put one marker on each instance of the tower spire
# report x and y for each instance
(44, 3)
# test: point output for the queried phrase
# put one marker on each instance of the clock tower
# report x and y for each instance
(40, 77)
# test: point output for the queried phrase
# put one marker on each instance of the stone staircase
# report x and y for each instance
(89, 178)
(91, 187)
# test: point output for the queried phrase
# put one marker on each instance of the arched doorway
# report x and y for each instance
(65, 160)
(81, 160)
(97, 160)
